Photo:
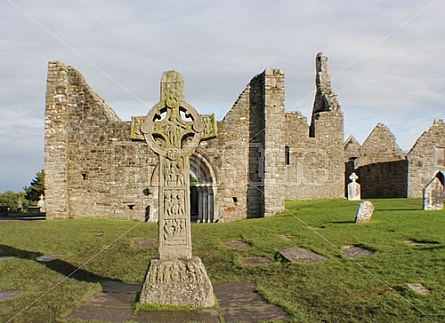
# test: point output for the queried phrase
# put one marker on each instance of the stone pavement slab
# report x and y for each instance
(238, 302)
(202, 316)
(298, 254)
(104, 314)
(9, 294)
(353, 251)
(237, 245)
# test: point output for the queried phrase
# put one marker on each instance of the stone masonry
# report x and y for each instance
(98, 166)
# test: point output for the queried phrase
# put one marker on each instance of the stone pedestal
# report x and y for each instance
(182, 282)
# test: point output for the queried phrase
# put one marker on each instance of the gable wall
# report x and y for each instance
(423, 163)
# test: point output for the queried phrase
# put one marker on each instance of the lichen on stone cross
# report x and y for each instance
(173, 129)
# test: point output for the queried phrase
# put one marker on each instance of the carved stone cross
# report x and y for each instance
(354, 188)
(353, 177)
(173, 129)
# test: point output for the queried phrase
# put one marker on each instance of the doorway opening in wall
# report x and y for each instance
(440, 175)
(202, 190)
(194, 197)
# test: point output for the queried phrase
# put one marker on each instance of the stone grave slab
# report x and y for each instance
(10, 294)
(237, 245)
(102, 314)
(144, 243)
(285, 237)
(298, 254)
(364, 212)
(239, 302)
(419, 289)
(256, 261)
(5, 257)
(421, 243)
(353, 251)
(47, 258)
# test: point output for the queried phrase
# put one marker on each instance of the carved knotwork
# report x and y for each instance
(173, 129)
(166, 131)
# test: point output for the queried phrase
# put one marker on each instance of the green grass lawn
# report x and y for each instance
(369, 289)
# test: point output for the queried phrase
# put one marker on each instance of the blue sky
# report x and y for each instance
(385, 60)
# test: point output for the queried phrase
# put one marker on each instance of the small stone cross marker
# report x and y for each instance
(173, 129)
(354, 188)
(353, 177)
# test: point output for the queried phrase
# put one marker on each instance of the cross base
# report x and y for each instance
(180, 282)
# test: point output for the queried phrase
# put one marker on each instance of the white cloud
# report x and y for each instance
(386, 60)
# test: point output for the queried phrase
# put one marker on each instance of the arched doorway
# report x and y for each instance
(203, 190)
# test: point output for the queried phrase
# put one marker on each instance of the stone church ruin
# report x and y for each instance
(246, 165)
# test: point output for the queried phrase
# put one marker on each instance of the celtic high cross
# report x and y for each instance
(173, 129)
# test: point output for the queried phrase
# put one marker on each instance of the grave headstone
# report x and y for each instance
(20, 205)
(354, 189)
(364, 212)
(433, 195)
(41, 203)
(173, 129)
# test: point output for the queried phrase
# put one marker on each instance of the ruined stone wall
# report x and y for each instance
(229, 153)
(274, 141)
(238, 155)
(380, 165)
(314, 155)
(249, 150)
(105, 174)
(315, 168)
(380, 146)
(383, 179)
(261, 156)
(56, 142)
(426, 158)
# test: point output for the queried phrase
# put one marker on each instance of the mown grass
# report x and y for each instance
(369, 289)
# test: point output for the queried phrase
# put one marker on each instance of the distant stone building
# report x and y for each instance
(96, 165)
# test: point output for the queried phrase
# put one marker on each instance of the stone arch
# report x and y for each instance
(203, 193)
(440, 175)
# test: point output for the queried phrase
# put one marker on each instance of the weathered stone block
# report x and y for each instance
(177, 282)
(364, 212)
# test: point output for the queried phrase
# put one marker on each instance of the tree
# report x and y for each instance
(37, 187)
(9, 199)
